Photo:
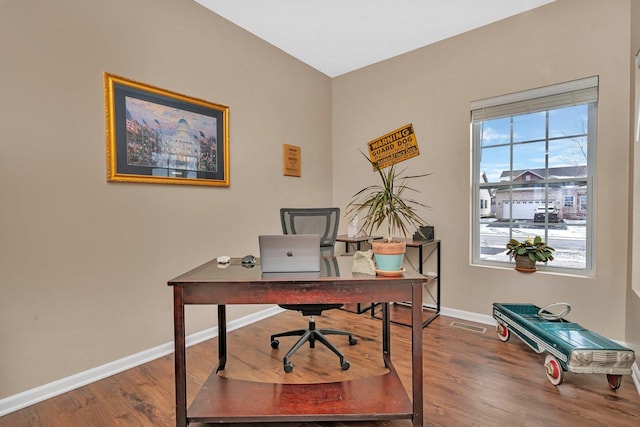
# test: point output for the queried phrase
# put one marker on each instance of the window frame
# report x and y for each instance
(577, 92)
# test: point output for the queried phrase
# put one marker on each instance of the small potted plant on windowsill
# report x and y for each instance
(528, 252)
(387, 202)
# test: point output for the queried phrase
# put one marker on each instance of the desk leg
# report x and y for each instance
(180, 357)
(416, 347)
(222, 337)
(386, 331)
(439, 278)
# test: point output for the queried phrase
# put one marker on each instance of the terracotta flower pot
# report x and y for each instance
(524, 263)
(388, 256)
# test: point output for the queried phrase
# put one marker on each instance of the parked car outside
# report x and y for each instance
(540, 212)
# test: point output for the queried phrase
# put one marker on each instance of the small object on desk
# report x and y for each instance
(248, 260)
(425, 234)
(223, 259)
(363, 263)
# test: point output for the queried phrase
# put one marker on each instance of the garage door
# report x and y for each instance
(521, 209)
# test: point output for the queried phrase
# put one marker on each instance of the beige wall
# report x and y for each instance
(84, 263)
(433, 87)
(633, 290)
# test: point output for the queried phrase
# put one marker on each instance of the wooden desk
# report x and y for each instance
(227, 400)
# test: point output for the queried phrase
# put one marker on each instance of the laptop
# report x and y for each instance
(289, 253)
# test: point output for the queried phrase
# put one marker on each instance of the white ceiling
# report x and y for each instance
(338, 36)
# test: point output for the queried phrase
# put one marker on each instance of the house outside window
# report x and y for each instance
(534, 157)
(583, 202)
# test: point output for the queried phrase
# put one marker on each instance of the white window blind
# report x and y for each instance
(540, 99)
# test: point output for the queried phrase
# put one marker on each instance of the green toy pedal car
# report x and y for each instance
(570, 346)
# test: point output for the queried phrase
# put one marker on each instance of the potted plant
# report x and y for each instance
(387, 203)
(528, 252)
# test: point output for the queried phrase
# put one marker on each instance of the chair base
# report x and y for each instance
(312, 335)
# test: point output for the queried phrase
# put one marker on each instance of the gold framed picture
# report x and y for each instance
(158, 136)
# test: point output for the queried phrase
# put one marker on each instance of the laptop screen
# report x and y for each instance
(287, 253)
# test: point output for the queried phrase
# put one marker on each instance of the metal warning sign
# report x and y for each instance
(394, 147)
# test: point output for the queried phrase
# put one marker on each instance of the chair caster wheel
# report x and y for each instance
(353, 341)
(345, 365)
(288, 367)
(274, 344)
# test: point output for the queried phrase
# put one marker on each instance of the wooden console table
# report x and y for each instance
(227, 400)
(434, 246)
(357, 240)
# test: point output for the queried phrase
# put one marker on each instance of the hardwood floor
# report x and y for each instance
(471, 379)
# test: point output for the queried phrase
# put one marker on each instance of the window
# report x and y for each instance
(568, 201)
(534, 157)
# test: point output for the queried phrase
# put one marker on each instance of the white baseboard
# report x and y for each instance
(467, 315)
(55, 388)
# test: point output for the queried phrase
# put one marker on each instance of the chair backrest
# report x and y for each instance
(321, 221)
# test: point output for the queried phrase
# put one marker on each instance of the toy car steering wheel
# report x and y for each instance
(552, 316)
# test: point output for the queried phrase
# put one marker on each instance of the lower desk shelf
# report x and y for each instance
(379, 397)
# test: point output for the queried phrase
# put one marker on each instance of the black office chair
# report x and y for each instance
(324, 222)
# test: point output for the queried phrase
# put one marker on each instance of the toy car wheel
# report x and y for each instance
(553, 369)
(503, 332)
(615, 381)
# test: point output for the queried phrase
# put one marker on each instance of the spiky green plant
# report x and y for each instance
(535, 249)
(387, 201)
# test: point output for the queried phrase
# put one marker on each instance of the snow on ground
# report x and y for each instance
(568, 238)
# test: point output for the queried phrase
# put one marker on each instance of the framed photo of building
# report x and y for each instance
(158, 136)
